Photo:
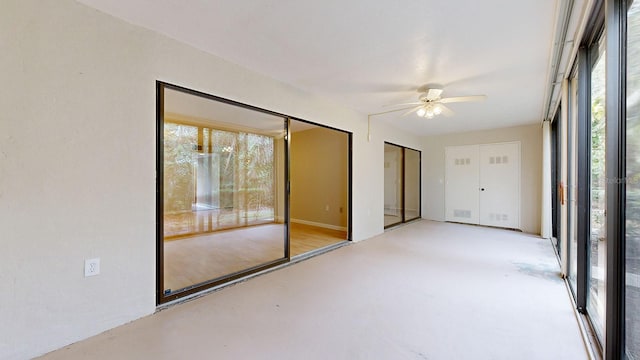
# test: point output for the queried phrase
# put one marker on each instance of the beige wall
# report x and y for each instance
(530, 138)
(319, 177)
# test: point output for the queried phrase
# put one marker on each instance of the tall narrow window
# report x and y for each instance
(598, 235)
(632, 289)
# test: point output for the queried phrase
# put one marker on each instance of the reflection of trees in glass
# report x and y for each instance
(598, 171)
(180, 151)
(246, 170)
(259, 179)
(224, 143)
(598, 134)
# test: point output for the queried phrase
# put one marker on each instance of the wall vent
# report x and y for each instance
(462, 213)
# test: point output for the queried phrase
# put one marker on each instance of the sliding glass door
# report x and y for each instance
(402, 196)
(320, 177)
(221, 191)
(236, 195)
(603, 98)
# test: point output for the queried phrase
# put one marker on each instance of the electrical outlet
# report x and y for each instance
(326, 208)
(91, 267)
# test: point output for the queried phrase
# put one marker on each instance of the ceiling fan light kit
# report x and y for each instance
(431, 104)
(430, 110)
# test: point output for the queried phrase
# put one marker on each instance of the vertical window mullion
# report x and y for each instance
(615, 20)
(584, 169)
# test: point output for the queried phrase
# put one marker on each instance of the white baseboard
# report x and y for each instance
(312, 223)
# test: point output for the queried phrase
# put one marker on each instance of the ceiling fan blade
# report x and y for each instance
(413, 109)
(446, 111)
(433, 94)
(413, 103)
(463, 98)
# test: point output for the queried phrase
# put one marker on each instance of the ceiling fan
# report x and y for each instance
(430, 103)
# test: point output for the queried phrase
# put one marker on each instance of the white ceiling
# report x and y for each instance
(366, 54)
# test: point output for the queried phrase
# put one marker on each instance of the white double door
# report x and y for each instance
(483, 184)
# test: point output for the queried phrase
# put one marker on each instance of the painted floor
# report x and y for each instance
(426, 290)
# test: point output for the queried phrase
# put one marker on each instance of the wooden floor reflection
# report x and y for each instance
(196, 259)
(189, 223)
(305, 238)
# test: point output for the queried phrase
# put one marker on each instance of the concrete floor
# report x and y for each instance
(425, 290)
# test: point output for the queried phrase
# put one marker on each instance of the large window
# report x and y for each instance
(632, 271)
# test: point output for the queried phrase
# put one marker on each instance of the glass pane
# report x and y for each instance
(633, 185)
(411, 184)
(598, 240)
(223, 189)
(573, 186)
(555, 182)
(319, 186)
(392, 184)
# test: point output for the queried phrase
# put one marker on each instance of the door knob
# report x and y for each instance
(481, 189)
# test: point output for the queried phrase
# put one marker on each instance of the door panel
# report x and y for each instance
(461, 188)
(500, 185)
(393, 180)
(411, 184)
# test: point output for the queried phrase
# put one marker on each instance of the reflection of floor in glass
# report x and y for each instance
(391, 219)
(596, 299)
(632, 292)
(633, 317)
(597, 281)
(410, 214)
(194, 222)
(305, 238)
(193, 260)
